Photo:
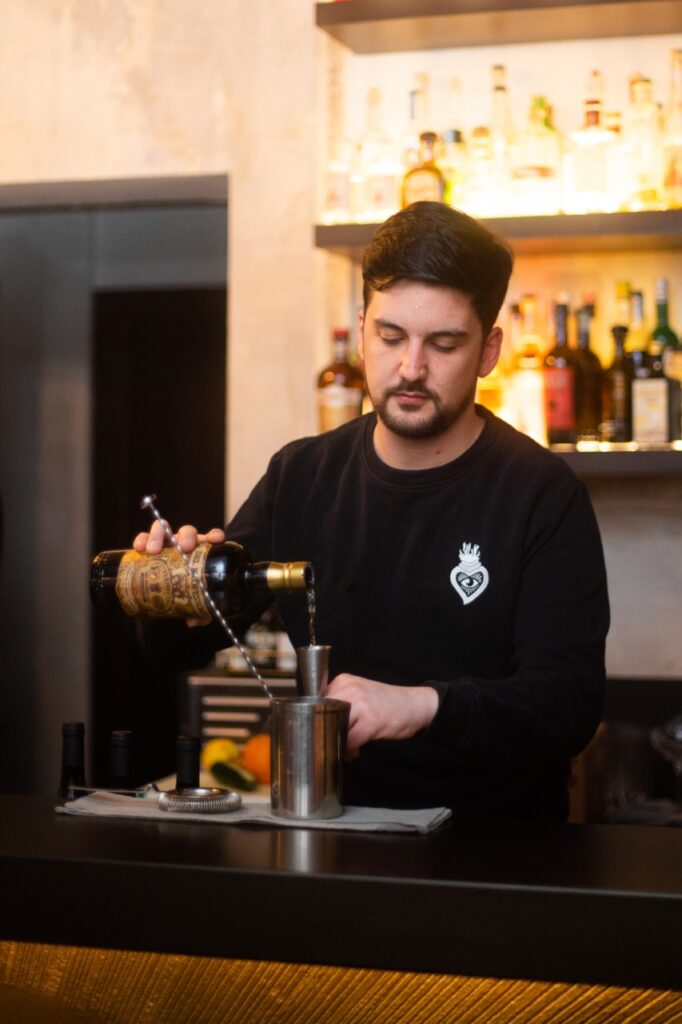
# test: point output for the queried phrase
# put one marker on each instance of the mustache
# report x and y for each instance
(411, 389)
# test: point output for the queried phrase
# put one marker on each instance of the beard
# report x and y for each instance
(414, 423)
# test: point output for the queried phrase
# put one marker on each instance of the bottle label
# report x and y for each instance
(422, 185)
(337, 405)
(559, 405)
(650, 410)
(161, 586)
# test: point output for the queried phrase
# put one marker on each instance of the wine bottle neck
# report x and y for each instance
(279, 576)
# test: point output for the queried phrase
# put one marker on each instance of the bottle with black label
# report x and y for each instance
(559, 382)
(163, 586)
(72, 777)
(617, 423)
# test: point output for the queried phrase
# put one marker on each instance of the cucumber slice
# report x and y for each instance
(234, 775)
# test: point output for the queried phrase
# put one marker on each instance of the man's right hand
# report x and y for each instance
(187, 537)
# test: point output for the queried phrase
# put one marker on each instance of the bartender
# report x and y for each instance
(460, 577)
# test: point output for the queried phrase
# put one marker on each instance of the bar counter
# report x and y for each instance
(572, 903)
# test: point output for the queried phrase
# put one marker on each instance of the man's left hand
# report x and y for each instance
(380, 711)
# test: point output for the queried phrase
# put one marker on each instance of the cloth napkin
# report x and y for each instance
(257, 812)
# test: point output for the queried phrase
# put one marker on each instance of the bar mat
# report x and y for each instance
(353, 819)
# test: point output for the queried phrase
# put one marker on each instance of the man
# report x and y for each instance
(459, 571)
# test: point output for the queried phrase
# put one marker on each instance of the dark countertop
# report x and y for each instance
(586, 903)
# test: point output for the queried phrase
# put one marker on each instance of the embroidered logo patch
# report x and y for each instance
(469, 577)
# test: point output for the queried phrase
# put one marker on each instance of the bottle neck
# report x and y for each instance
(279, 576)
(662, 313)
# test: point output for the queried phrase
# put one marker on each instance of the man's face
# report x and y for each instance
(423, 349)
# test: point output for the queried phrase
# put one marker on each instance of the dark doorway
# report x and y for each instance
(159, 369)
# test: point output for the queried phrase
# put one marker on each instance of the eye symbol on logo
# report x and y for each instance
(469, 577)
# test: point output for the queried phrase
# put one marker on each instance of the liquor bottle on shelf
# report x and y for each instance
(536, 164)
(526, 389)
(617, 423)
(643, 145)
(336, 202)
(417, 119)
(589, 382)
(655, 402)
(559, 381)
(424, 181)
(637, 342)
(339, 385)
(381, 171)
(453, 150)
(482, 198)
(501, 137)
(163, 586)
(672, 135)
(588, 161)
(72, 776)
(663, 338)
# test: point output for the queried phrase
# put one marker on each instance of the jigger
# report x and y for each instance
(313, 666)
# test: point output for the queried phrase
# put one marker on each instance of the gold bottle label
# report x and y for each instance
(161, 586)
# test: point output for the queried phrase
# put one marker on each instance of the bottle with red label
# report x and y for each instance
(558, 373)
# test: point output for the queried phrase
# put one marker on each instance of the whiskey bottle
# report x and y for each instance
(588, 162)
(526, 398)
(589, 382)
(163, 586)
(559, 382)
(617, 424)
(424, 181)
(339, 386)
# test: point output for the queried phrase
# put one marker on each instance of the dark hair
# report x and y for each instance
(434, 243)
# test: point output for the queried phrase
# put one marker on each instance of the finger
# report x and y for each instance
(187, 538)
(140, 542)
(156, 538)
(193, 623)
(214, 536)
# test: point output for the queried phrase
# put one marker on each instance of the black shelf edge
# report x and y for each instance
(592, 232)
(383, 26)
(167, 190)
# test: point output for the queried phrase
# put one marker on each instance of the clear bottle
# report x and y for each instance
(637, 342)
(643, 141)
(418, 119)
(381, 172)
(559, 381)
(424, 181)
(336, 201)
(453, 159)
(617, 423)
(527, 394)
(501, 138)
(587, 177)
(163, 586)
(672, 142)
(72, 776)
(536, 164)
(589, 382)
(340, 385)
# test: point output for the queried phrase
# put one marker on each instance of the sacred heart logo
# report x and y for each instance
(469, 577)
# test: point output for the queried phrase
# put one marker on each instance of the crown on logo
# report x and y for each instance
(468, 554)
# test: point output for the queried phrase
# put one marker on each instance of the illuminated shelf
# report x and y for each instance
(383, 26)
(593, 232)
(662, 462)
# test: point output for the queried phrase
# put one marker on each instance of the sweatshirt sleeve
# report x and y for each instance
(549, 706)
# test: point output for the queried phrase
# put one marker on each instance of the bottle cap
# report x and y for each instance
(453, 135)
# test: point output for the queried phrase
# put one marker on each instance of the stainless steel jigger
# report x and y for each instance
(148, 502)
(313, 666)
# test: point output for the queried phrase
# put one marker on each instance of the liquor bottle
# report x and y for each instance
(187, 762)
(482, 198)
(672, 135)
(624, 303)
(424, 181)
(336, 202)
(417, 120)
(617, 423)
(163, 586)
(637, 342)
(381, 172)
(501, 135)
(642, 139)
(73, 760)
(587, 164)
(536, 164)
(121, 772)
(655, 402)
(559, 382)
(339, 385)
(663, 335)
(589, 382)
(453, 153)
(526, 391)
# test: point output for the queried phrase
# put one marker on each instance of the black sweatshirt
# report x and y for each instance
(483, 578)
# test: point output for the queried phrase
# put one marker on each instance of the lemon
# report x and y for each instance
(218, 751)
